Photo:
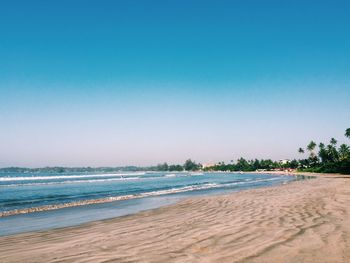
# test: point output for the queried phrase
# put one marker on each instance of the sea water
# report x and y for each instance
(40, 201)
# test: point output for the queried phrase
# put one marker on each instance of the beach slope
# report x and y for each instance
(304, 221)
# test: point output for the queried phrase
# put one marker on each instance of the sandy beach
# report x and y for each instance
(304, 221)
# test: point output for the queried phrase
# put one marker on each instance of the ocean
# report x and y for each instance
(40, 201)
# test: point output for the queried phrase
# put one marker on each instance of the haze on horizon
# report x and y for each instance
(110, 83)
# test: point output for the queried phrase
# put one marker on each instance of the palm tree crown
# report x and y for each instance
(347, 133)
(333, 141)
(344, 151)
(311, 146)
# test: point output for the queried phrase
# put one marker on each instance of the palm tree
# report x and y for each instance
(347, 133)
(332, 153)
(310, 147)
(333, 141)
(344, 152)
(322, 153)
(301, 150)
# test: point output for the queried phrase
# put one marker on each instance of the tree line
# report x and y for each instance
(321, 158)
(241, 165)
(189, 165)
(329, 158)
(251, 165)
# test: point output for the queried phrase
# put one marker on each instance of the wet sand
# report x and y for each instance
(304, 221)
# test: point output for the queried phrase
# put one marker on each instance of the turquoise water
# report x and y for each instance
(100, 196)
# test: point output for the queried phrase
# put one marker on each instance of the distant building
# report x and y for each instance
(205, 165)
(284, 161)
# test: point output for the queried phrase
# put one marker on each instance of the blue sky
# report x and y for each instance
(106, 83)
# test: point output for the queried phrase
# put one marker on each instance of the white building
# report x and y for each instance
(284, 161)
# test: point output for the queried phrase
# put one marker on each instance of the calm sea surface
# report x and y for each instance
(74, 198)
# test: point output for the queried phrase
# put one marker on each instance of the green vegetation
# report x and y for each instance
(241, 165)
(329, 158)
(166, 167)
(192, 166)
(322, 159)
(252, 165)
(189, 165)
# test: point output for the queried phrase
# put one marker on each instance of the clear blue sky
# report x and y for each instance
(107, 83)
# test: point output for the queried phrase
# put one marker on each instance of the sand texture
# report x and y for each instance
(305, 221)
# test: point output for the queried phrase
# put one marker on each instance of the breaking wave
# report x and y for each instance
(130, 196)
(55, 177)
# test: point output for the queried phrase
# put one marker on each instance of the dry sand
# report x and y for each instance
(305, 221)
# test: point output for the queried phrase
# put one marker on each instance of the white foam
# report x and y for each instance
(82, 181)
(32, 178)
(196, 174)
(108, 199)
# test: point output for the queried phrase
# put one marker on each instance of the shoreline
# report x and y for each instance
(296, 219)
